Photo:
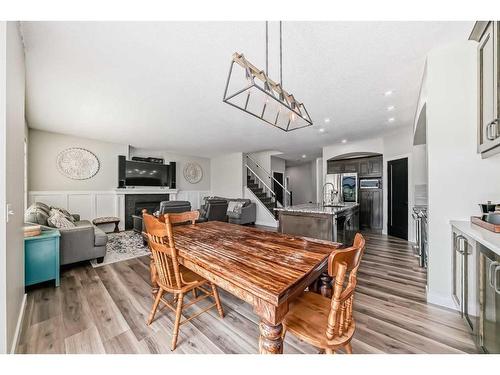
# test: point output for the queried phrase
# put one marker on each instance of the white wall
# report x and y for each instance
(3, 173)
(420, 178)
(302, 182)
(319, 179)
(227, 176)
(12, 86)
(44, 178)
(278, 165)
(42, 171)
(181, 161)
(458, 178)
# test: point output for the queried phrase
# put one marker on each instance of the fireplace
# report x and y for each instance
(135, 203)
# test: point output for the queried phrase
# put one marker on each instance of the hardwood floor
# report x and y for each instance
(104, 310)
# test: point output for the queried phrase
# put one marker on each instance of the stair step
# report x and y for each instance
(258, 191)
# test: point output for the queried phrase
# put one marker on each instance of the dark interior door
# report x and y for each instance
(397, 174)
(278, 177)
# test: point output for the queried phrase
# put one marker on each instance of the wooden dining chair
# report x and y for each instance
(172, 277)
(323, 322)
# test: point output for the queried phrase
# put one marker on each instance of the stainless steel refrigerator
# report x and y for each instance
(346, 184)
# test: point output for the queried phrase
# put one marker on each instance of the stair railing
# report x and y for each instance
(286, 194)
(261, 182)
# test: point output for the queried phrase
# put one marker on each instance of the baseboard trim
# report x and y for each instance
(267, 224)
(440, 300)
(17, 333)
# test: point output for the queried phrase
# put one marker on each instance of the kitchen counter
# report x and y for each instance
(485, 237)
(316, 208)
(337, 224)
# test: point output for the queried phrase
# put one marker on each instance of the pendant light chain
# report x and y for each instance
(281, 57)
(267, 48)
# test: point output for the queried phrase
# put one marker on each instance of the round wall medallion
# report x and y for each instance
(77, 163)
(193, 172)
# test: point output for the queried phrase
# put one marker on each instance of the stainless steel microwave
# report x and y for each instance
(370, 183)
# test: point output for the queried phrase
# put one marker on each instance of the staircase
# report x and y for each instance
(260, 182)
(259, 192)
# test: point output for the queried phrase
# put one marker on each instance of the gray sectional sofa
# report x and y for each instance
(218, 208)
(83, 242)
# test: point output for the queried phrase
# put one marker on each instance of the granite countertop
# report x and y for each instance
(489, 239)
(316, 208)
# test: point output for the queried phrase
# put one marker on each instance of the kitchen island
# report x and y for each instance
(337, 223)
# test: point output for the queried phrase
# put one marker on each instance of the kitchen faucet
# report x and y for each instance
(332, 193)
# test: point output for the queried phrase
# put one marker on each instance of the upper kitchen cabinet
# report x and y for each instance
(486, 33)
(365, 167)
(370, 167)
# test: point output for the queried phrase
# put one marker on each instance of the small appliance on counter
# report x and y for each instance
(490, 218)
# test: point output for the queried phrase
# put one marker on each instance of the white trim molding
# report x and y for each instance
(17, 332)
(440, 300)
(90, 204)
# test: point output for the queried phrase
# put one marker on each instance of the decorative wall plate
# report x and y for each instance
(77, 163)
(193, 172)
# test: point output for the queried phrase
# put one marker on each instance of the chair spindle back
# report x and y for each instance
(340, 263)
(162, 245)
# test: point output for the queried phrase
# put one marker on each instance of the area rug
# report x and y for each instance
(122, 246)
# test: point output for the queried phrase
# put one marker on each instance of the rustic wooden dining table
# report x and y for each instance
(264, 268)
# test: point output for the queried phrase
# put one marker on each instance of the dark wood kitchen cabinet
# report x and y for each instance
(370, 209)
(368, 167)
(335, 167)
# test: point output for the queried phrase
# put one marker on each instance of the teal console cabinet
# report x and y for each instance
(41, 258)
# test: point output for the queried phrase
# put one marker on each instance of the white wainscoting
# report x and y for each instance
(195, 197)
(92, 204)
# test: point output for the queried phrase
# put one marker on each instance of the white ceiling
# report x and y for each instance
(160, 84)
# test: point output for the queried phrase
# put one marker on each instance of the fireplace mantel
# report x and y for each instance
(171, 192)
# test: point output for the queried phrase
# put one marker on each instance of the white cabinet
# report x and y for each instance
(488, 126)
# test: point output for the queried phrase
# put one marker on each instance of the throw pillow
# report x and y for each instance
(66, 214)
(235, 207)
(36, 215)
(59, 221)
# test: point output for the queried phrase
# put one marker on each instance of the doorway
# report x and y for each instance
(278, 190)
(397, 196)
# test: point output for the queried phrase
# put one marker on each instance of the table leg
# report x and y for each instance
(271, 339)
(326, 285)
(116, 228)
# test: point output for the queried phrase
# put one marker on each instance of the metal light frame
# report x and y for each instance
(290, 114)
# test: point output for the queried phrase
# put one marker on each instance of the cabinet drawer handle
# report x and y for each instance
(495, 283)
(489, 134)
(491, 275)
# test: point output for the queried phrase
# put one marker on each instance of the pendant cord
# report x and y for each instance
(281, 58)
(267, 49)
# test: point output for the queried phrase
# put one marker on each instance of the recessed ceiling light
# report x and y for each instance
(344, 141)
(391, 119)
(327, 120)
(321, 130)
(388, 93)
(304, 156)
(391, 108)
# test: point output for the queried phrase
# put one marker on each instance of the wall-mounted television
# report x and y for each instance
(132, 173)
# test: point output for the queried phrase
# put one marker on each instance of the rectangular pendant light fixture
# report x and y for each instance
(251, 90)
